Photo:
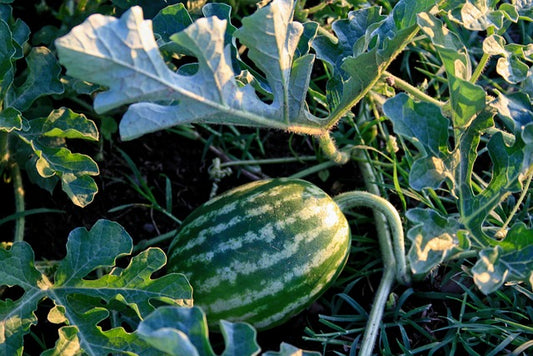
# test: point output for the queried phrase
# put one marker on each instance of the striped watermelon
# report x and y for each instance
(262, 252)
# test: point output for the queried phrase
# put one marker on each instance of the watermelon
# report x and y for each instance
(262, 252)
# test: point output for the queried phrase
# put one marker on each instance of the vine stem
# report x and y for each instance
(392, 250)
(19, 202)
(331, 150)
(390, 261)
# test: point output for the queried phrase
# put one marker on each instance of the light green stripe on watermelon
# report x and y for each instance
(261, 252)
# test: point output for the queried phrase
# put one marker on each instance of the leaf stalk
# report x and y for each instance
(414, 91)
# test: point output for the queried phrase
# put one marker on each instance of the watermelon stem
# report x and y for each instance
(393, 254)
(331, 150)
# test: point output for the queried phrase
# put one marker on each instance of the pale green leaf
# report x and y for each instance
(68, 343)
(348, 32)
(450, 48)
(53, 159)
(240, 339)
(510, 64)
(424, 125)
(467, 100)
(17, 269)
(489, 273)
(374, 52)
(135, 72)
(177, 331)
(511, 260)
(184, 331)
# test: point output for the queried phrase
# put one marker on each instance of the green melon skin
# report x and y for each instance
(262, 252)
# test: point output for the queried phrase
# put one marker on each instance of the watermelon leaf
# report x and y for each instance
(135, 72)
(83, 300)
(366, 40)
(508, 261)
(184, 331)
(52, 161)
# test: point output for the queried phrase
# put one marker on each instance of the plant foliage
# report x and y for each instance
(33, 141)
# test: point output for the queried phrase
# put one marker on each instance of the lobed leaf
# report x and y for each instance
(7, 51)
(510, 64)
(434, 239)
(366, 40)
(42, 79)
(511, 260)
(53, 159)
(184, 331)
(135, 72)
(83, 300)
(426, 127)
(479, 15)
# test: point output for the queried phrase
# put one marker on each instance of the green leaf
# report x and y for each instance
(136, 73)
(478, 15)
(510, 65)
(467, 100)
(10, 119)
(372, 48)
(53, 159)
(42, 78)
(183, 331)
(427, 128)
(7, 51)
(434, 238)
(450, 48)
(83, 298)
(511, 260)
(168, 21)
(17, 269)
(348, 32)
(66, 123)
